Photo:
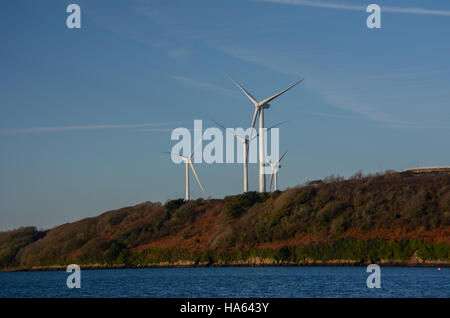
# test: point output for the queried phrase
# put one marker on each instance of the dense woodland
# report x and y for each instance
(387, 217)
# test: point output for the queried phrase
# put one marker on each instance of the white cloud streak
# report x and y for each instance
(351, 7)
(203, 85)
(79, 127)
(336, 116)
(334, 93)
(157, 129)
(178, 54)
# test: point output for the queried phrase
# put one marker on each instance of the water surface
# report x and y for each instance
(231, 282)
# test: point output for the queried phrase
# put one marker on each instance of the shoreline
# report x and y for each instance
(188, 264)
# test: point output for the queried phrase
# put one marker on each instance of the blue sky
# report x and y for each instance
(85, 114)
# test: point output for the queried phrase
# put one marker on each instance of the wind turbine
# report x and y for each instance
(259, 109)
(188, 163)
(245, 143)
(275, 166)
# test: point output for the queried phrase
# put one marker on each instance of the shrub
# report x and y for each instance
(241, 203)
(173, 205)
(114, 252)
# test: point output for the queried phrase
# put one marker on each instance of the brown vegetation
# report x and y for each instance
(391, 207)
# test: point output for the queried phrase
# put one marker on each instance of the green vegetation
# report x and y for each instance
(391, 216)
(386, 202)
(173, 205)
(241, 203)
(12, 241)
(372, 250)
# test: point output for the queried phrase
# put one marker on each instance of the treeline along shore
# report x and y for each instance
(389, 219)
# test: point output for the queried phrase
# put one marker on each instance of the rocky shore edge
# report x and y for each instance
(251, 262)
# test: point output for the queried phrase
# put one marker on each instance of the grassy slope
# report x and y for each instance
(392, 216)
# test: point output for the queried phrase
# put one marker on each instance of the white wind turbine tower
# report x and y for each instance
(188, 162)
(245, 144)
(275, 166)
(259, 109)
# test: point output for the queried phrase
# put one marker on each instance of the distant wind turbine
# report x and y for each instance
(188, 163)
(245, 143)
(275, 166)
(259, 109)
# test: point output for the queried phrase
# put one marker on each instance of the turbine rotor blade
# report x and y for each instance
(216, 122)
(196, 146)
(196, 176)
(284, 154)
(276, 125)
(255, 115)
(276, 95)
(281, 157)
(252, 99)
(174, 154)
(223, 127)
(237, 136)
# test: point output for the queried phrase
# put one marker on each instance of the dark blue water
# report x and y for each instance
(231, 282)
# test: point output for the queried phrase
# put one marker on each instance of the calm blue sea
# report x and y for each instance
(231, 282)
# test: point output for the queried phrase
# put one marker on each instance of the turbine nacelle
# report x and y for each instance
(261, 105)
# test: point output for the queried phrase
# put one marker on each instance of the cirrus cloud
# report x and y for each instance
(352, 7)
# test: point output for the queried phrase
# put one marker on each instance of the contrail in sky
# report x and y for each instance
(351, 7)
(204, 85)
(80, 127)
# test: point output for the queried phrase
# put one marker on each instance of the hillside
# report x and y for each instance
(391, 219)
